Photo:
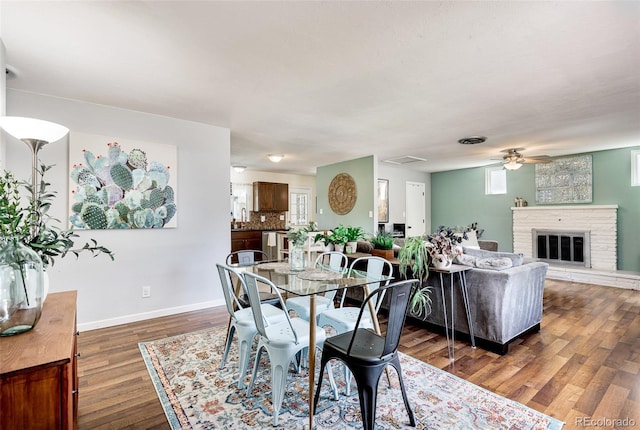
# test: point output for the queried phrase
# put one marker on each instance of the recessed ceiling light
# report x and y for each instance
(275, 158)
(472, 140)
(239, 169)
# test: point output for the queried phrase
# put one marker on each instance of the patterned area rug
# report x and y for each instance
(196, 394)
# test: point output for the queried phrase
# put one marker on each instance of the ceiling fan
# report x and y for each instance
(513, 159)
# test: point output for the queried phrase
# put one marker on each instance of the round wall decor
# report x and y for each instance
(342, 193)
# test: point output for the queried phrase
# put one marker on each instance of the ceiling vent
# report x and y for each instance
(404, 160)
(472, 140)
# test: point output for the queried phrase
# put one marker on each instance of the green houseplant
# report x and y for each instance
(30, 242)
(414, 261)
(382, 245)
(353, 235)
(338, 237)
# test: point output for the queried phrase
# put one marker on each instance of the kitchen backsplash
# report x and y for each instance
(272, 221)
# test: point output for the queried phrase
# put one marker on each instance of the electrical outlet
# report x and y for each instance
(146, 291)
(262, 218)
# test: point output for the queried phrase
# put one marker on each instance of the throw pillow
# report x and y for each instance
(516, 259)
(465, 260)
(494, 263)
(471, 241)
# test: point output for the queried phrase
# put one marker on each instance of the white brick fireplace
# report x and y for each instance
(600, 221)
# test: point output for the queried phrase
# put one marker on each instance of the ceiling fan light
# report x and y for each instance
(512, 165)
(275, 158)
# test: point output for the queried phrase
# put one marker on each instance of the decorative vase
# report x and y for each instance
(21, 288)
(442, 261)
(296, 258)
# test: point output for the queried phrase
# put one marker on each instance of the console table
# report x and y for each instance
(38, 370)
(451, 271)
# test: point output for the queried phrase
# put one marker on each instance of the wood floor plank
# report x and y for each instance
(584, 362)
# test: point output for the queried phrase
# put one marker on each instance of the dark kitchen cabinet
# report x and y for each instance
(241, 240)
(270, 196)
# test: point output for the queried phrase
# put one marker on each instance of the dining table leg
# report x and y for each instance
(312, 354)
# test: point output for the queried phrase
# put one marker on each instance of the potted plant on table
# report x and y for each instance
(443, 246)
(382, 245)
(297, 239)
(339, 238)
(30, 241)
(353, 235)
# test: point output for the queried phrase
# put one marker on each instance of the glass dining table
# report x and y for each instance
(311, 282)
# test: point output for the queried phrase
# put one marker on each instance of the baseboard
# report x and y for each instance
(125, 319)
(607, 278)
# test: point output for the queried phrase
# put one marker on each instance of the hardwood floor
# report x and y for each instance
(583, 365)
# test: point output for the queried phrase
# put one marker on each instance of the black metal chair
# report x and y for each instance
(367, 354)
(249, 257)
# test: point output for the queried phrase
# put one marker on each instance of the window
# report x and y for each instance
(635, 168)
(241, 197)
(299, 206)
(495, 180)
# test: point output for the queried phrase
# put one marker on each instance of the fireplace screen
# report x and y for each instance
(562, 247)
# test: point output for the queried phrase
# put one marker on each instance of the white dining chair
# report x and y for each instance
(282, 341)
(344, 318)
(242, 321)
(336, 261)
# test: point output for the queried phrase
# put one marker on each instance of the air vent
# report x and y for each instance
(472, 140)
(404, 160)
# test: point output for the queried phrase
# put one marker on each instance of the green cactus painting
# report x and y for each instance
(121, 186)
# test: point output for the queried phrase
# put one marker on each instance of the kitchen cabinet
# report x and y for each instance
(250, 239)
(38, 370)
(270, 197)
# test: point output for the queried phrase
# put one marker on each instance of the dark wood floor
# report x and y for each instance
(583, 364)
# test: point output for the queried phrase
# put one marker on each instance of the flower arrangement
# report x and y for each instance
(298, 237)
(443, 245)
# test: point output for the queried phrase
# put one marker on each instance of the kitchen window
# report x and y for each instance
(299, 206)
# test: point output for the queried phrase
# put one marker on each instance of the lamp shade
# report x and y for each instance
(29, 128)
(512, 165)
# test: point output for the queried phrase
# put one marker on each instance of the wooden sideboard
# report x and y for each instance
(38, 370)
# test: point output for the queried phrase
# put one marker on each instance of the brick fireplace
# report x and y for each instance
(599, 222)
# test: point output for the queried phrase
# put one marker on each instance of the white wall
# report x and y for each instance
(178, 264)
(398, 177)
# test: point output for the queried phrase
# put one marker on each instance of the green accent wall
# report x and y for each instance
(458, 198)
(363, 171)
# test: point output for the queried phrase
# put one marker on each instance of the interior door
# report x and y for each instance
(415, 209)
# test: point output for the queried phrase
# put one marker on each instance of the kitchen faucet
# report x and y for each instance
(243, 215)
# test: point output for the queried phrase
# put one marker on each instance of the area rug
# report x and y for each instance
(196, 394)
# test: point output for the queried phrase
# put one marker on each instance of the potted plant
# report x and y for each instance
(413, 259)
(382, 245)
(443, 246)
(30, 241)
(325, 238)
(297, 239)
(339, 237)
(353, 234)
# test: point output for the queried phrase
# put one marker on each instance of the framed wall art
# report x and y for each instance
(383, 200)
(564, 180)
(121, 183)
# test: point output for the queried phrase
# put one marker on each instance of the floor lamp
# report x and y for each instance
(35, 133)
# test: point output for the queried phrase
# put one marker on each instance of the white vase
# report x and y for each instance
(442, 261)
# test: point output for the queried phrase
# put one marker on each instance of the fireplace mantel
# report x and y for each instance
(563, 207)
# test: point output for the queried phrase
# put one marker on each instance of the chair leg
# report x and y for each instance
(278, 384)
(367, 381)
(347, 380)
(245, 350)
(230, 331)
(255, 369)
(396, 363)
(316, 396)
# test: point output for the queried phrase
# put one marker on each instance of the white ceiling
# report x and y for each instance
(329, 81)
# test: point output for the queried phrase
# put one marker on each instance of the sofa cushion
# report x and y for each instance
(494, 263)
(516, 259)
(466, 260)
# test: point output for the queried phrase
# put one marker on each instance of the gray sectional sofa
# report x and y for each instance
(505, 297)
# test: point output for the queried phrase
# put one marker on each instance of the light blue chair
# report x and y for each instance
(242, 321)
(335, 261)
(344, 318)
(282, 342)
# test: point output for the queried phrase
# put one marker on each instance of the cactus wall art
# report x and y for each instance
(121, 184)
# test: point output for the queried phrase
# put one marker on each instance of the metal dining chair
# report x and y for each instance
(249, 257)
(344, 318)
(241, 320)
(335, 261)
(367, 354)
(282, 342)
